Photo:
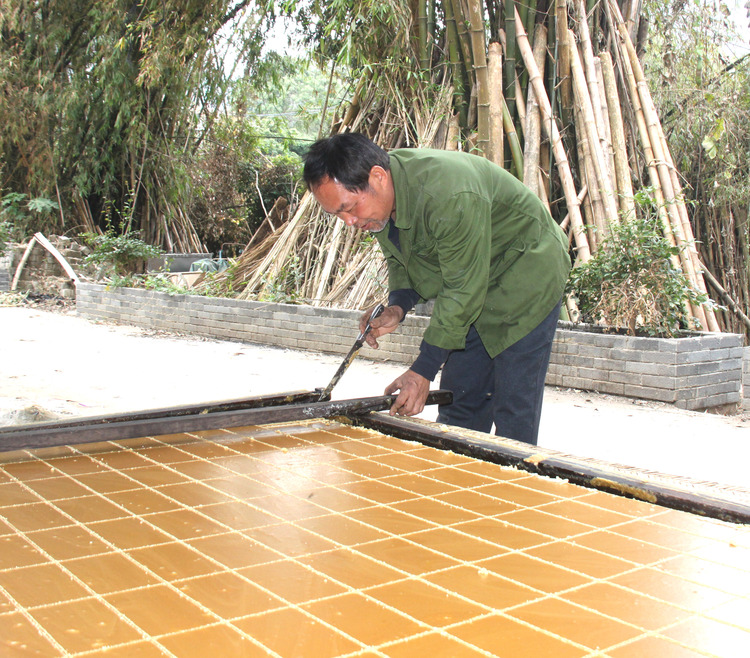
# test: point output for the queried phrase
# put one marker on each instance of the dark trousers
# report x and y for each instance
(506, 390)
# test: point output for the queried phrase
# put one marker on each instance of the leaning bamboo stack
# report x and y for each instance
(662, 171)
(582, 141)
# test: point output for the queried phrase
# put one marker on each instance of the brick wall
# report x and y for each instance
(282, 325)
(697, 372)
(746, 378)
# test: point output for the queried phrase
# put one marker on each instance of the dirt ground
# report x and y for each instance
(55, 364)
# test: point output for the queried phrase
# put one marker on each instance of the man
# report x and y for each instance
(458, 229)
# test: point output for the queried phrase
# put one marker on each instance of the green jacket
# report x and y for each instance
(478, 242)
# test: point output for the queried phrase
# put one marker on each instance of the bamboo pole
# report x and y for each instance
(609, 157)
(479, 57)
(728, 299)
(513, 142)
(665, 167)
(455, 59)
(583, 101)
(277, 256)
(623, 179)
(589, 68)
(332, 247)
(496, 151)
(509, 71)
(532, 124)
(549, 124)
(563, 55)
(682, 261)
(422, 34)
(464, 43)
(593, 210)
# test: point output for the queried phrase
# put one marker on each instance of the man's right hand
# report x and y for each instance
(384, 324)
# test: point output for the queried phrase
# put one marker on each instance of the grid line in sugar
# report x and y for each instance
(318, 526)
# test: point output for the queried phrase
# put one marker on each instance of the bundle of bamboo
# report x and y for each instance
(595, 111)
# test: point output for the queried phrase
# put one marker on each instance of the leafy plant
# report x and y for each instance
(162, 283)
(632, 282)
(126, 281)
(122, 252)
(19, 217)
(284, 286)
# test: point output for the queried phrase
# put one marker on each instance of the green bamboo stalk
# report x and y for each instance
(509, 67)
(422, 34)
(516, 151)
(458, 72)
(479, 55)
(464, 43)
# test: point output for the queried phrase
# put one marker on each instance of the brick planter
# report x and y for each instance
(698, 371)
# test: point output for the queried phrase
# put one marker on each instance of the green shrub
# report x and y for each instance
(632, 280)
(123, 252)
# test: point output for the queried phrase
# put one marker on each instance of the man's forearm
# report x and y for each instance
(405, 298)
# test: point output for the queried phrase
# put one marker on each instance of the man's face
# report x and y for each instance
(368, 210)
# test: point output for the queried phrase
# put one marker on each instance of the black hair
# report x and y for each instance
(346, 158)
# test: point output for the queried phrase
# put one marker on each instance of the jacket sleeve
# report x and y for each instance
(462, 233)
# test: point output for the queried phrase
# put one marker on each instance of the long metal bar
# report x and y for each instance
(262, 401)
(326, 392)
(51, 434)
(578, 471)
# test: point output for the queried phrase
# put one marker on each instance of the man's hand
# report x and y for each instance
(384, 324)
(412, 396)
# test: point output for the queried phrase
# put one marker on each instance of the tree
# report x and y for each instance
(105, 104)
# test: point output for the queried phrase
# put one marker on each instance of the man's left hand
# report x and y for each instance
(413, 390)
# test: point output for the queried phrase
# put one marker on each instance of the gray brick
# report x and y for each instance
(659, 394)
(658, 382)
(629, 378)
(647, 368)
(594, 374)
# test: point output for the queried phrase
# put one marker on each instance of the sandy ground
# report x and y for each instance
(59, 364)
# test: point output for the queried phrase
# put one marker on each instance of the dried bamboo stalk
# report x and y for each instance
(606, 139)
(275, 259)
(619, 149)
(533, 128)
(333, 246)
(681, 262)
(496, 151)
(589, 68)
(549, 124)
(583, 101)
(593, 210)
(680, 223)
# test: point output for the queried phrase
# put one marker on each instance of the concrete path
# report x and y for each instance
(65, 365)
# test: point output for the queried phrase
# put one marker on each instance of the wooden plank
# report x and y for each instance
(57, 255)
(22, 264)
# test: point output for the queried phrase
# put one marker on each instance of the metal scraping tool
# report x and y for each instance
(326, 393)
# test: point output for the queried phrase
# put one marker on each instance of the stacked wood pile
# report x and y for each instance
(576, 122)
